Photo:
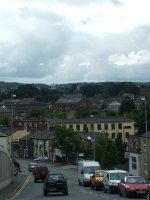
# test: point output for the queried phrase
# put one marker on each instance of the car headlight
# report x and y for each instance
(113, 184)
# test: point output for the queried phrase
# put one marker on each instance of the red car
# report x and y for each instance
(133, 186)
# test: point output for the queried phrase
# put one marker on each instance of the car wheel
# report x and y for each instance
(66, 193)
(96, 188)
(79, 182)
(105, 190)
(110, 191)
(120, 193)
(45, 193)
(126, 194)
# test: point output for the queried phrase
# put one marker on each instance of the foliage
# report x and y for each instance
(127, 106)
(5, 121)
(110, 154)
(68, 140)
(121, 148)
(140, 118)
(26, 91)
(45, 112)
(82, 112)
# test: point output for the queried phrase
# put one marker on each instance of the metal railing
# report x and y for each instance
(6, 169)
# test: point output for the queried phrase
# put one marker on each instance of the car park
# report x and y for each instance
(97, 180)
(111, 180)
(133, 186)
(41, 159)
(31, 166)
(40, 173)
(55, 183)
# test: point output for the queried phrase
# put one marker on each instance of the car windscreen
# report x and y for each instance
(99, 174)
(53, 178)
(117, 175)
(91, 169)
(135, 180)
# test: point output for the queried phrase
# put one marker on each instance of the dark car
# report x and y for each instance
(40, 173)
(133, 186)
(55, 183)
(31, 167)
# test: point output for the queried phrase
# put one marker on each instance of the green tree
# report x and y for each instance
(82, 111)
(127, 106)
(110, 154)
(139, 117)
(121, 148)
(68, 141)
(5, 121)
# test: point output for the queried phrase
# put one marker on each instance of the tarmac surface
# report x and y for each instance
(10, 191)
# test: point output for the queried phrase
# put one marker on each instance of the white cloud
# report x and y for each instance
(74, 41)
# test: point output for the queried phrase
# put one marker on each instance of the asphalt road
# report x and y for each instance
(34, 191)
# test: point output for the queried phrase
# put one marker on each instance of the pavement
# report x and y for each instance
(10, 191)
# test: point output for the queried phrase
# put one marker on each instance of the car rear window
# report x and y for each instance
(42, 169)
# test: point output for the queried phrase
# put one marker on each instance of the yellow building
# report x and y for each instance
(13, 140)
(109, 126)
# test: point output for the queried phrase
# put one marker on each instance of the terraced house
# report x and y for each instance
(109, 126)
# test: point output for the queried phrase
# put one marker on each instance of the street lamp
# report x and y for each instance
(12, 114)
(146, 171)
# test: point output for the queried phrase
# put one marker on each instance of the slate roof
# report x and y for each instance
(90, 120)
(2, 135)
(70, 99)
(40, 135)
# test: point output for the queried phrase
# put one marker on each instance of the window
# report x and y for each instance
(113, 126)
(134, 164)
(99, 127)
(119, 126)
(106, 126)
(92, 127)
(78, 127)
(71, 126)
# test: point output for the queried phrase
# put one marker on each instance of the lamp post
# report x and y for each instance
(146, 141)
(12, 114)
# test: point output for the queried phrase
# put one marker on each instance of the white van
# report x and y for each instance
(112, 178)
(86, 169)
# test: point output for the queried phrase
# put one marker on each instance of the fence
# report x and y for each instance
(6, 169)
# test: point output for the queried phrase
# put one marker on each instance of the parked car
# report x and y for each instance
(112, 178)
(41, 158)
(55, 183)
(133, 186)
(31, 166)
(97, 179)
(40, 173)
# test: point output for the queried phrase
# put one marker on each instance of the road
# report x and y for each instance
(34, 190)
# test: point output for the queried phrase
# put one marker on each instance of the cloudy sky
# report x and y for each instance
(68, 41)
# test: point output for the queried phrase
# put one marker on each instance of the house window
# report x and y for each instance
(71, 126)
(99, 127)
(119, 126)
(85, 128)
(127, 127)
(78, 127)
(134, 163)
(113, 126)
(92, 127)
(106, 126)
(113, 135)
